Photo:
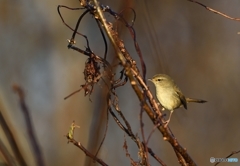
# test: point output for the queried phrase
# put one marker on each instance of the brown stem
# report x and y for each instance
(130, 66)
(12, 141)
(29, 125)
(215, 11)
(79, 145)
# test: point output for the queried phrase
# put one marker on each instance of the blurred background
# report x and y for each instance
(197, 48)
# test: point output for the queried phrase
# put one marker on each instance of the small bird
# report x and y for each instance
(169, 95)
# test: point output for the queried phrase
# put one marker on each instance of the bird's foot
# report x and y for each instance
(166, 123)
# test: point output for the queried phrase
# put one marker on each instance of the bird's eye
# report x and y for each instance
(159, 80)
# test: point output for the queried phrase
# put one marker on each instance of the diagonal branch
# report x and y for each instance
(12, 141)
(80, 146)
(70, 137)
(29, 125)
(234, 152)
(215, 11)
(131, 72)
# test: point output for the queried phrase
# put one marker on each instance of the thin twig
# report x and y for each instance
(70, 137)
(234, 152)
(6, 154)
(133, 137)
(125, 147)
(12, 141)
(150, 151)
(76, 91)
(79, 145)
(152, 131)
(215, 11)
(104, 135)
(33, 140)
(143, 136)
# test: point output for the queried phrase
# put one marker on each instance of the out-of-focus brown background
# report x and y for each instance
(199, 49)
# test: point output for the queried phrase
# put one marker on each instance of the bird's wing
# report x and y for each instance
(182, 98)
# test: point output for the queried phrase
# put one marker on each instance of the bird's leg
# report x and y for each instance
(165, 126)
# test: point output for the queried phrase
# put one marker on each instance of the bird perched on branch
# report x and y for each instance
(169, 95)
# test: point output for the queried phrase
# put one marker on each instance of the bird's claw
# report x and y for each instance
(166, 123)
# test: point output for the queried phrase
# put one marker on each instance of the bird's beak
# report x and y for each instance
(150, 80)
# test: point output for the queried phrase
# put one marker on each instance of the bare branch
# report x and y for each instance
(12, 141)
(125, 147)
(131, 72)
(234, 152)
(33, 140)
(215, 11)
(6, 154)
(70, 137)
(79, 145)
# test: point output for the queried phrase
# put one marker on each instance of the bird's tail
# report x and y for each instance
(195, 100)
